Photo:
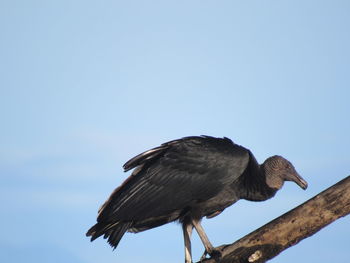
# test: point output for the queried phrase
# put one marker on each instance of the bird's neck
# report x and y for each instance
(254, 183)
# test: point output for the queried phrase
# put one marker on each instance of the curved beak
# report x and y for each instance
(299, 181)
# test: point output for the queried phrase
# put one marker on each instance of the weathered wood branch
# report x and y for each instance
(290, 228)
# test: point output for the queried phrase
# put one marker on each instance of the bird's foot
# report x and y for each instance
(204, 256)
(214, 253)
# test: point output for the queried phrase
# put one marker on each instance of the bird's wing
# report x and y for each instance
(173, 176)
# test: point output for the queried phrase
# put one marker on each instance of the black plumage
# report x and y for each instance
(186, 180)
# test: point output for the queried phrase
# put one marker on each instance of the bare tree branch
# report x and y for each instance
(288, 229)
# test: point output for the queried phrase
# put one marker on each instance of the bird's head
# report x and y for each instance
(278, 169)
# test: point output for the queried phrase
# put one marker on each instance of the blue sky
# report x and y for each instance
(86, 85)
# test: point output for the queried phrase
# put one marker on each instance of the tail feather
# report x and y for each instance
(92, 232)
(114, 232)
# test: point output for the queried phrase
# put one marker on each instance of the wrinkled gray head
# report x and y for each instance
(277, 170)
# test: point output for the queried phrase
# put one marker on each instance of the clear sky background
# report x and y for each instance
(86, 85)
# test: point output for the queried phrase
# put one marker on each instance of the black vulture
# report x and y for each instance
(185, 180)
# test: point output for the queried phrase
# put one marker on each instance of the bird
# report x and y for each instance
(186, 180)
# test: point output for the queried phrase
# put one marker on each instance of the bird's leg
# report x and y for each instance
(187, 230)
(203, 236)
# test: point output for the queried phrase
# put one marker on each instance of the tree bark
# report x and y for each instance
(287, 230)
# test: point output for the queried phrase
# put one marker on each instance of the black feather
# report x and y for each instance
(183, 179)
